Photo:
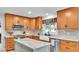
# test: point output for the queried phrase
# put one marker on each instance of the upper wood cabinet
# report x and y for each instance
(8, 21)
(18, 20)
(28, 23)
(67, 18)
(31, 24)
(38, 24)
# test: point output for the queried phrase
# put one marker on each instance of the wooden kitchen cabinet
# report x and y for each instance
(35, 23)
(67, 18)
(8, 21)
(18, 20)
(26, 23)
(9, 43)
(61, 20)
(32, 23)
(68, 46)
(78, 45)
(29, 23)
(21, 20)
(38, 23)
(33, 37)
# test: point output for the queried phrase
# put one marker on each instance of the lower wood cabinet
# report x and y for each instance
(33, 37)
(69, 46)
(9, 43)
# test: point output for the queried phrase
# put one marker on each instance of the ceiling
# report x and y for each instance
(45, 12)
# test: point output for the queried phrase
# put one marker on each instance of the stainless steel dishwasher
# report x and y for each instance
(55, 44)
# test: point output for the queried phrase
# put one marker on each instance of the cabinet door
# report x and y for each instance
(9, 44)
(78, 46)
(72, 20)
(67, 18)
(65, 48)
(18, 20)
(26, 23)
(21, 20)
(31, 25)
(38, 23)
(61, 20)
(68, 46)
(8, 21)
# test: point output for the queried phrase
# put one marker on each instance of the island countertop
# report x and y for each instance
(33, 44)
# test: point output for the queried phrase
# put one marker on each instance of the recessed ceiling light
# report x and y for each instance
(29, 12)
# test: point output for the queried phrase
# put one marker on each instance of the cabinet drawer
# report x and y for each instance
(64, 48)
(68, 43)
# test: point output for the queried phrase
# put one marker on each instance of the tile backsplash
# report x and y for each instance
(35, 32)
(20, 32)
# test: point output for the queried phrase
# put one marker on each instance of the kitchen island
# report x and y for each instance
(30, 45)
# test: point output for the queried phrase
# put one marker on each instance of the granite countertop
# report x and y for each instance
(63, 37)
(33, 44)
(67, 35)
